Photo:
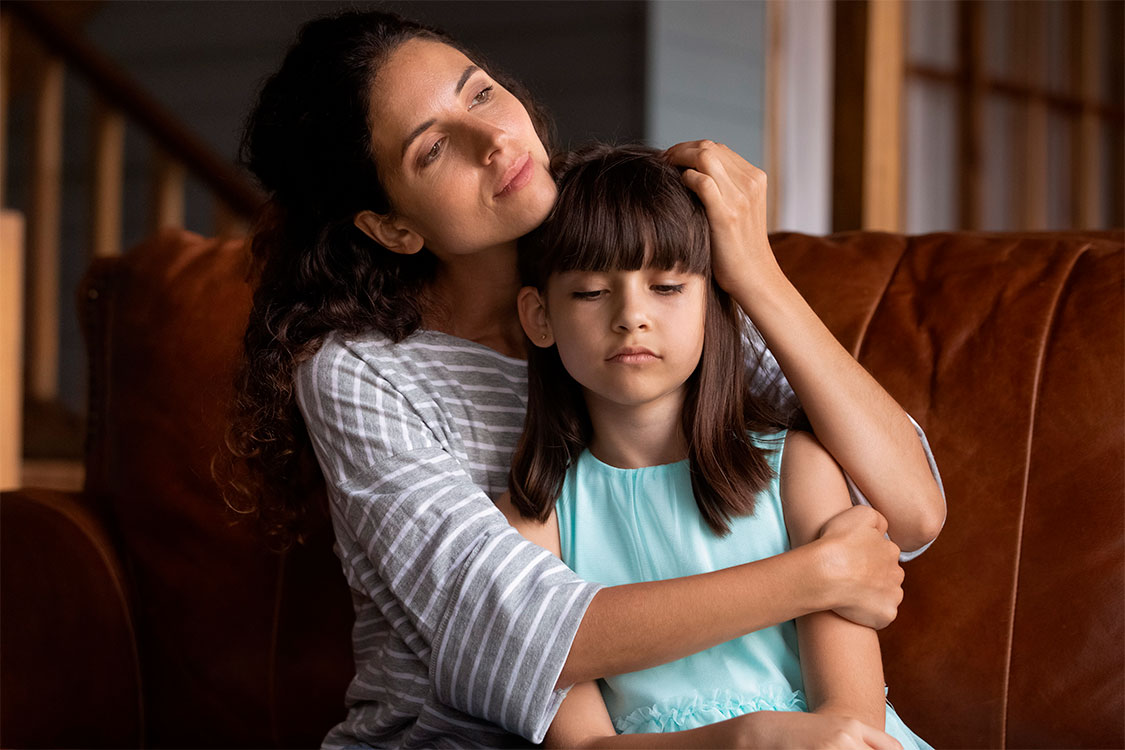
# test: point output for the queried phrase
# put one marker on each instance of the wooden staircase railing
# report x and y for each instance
(177, 154)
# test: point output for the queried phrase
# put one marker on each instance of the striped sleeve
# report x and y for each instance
(768, 382)
(491, 614)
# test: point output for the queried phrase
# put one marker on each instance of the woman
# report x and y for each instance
(384, 336)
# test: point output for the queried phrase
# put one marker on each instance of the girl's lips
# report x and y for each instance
(633, 356)
(518, 175)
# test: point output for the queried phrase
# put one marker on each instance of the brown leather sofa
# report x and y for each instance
(141, 613)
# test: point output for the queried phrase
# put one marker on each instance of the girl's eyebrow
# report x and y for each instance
(465, 75)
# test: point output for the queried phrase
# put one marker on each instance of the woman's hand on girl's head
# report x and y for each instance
(733, 192)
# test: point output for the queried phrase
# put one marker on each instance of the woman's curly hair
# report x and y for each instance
(308, 142)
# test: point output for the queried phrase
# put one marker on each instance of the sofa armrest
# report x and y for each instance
(71, 673)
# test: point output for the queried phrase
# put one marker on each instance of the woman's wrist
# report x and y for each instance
(761, 287)
(823, 570)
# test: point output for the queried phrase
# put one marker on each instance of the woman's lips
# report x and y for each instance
(518, 175)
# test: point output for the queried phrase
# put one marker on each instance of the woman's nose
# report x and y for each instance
(488, 140)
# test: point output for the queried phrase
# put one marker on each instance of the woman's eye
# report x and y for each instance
(668, 288)
(434, 152)
(482, 96)
(588, 295)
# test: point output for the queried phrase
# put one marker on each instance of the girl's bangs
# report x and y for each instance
(624, 211)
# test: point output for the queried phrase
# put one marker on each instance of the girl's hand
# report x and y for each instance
(801, 731)
(733, 192)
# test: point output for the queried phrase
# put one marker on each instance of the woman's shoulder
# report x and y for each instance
(433, 347)
(337, 356)
(426, 365)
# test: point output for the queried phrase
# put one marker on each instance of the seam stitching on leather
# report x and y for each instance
(862, 337)
(1033, 411)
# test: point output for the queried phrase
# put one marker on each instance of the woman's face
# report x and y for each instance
(457, 153)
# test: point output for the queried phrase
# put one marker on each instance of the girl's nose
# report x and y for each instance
(631, 314)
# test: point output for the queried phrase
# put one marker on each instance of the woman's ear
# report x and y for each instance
(389, 231)
(533, 317)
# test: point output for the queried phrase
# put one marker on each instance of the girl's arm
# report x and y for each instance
(840, 660)
(582, 720)
(859, 423)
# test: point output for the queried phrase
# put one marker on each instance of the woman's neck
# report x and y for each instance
(632, 437)
(474, 297)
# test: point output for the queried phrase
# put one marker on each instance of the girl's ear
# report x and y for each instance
(533, 317)
(389, 231)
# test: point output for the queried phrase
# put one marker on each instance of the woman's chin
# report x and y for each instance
(538, 201)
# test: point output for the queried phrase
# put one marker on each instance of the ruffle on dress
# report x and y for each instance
(698, 710)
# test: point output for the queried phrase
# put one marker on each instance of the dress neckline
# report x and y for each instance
(588, 456)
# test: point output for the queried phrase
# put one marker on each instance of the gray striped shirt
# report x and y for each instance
(462, 627)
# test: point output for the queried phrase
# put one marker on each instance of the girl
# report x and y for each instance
(384, 338)
(645, 457)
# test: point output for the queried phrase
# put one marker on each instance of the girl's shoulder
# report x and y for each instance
(802, 447)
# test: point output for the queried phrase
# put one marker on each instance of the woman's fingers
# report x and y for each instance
(705, 155)
(702, 185)
(733, 192)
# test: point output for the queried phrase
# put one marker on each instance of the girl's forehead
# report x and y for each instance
(648, 270)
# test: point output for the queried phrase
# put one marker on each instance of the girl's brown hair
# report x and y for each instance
(308, 142)
(625, 208)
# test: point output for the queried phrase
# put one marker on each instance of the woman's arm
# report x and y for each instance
(582, 720)
(859, 423)
(497, 622)
(851, 568)
(840, 660)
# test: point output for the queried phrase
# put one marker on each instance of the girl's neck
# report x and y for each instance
(633, 437)
(474, 297)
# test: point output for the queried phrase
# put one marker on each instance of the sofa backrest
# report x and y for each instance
(240, 646)
(1008, 349)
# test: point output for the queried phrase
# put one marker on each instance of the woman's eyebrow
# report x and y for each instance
(468, 72)
(465, 77)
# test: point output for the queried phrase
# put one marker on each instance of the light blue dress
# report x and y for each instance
(619, 526)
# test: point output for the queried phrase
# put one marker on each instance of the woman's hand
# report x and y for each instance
(861, 566)
(801, 731)
(733, 192)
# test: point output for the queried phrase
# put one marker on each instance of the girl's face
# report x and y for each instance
(457, 153)
(628, 337)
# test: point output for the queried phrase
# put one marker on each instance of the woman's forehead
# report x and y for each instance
(421, 61)
(414, 83)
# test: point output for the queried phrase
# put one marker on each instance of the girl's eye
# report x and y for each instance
(588, 295)
(668, 288)
(482, 96)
